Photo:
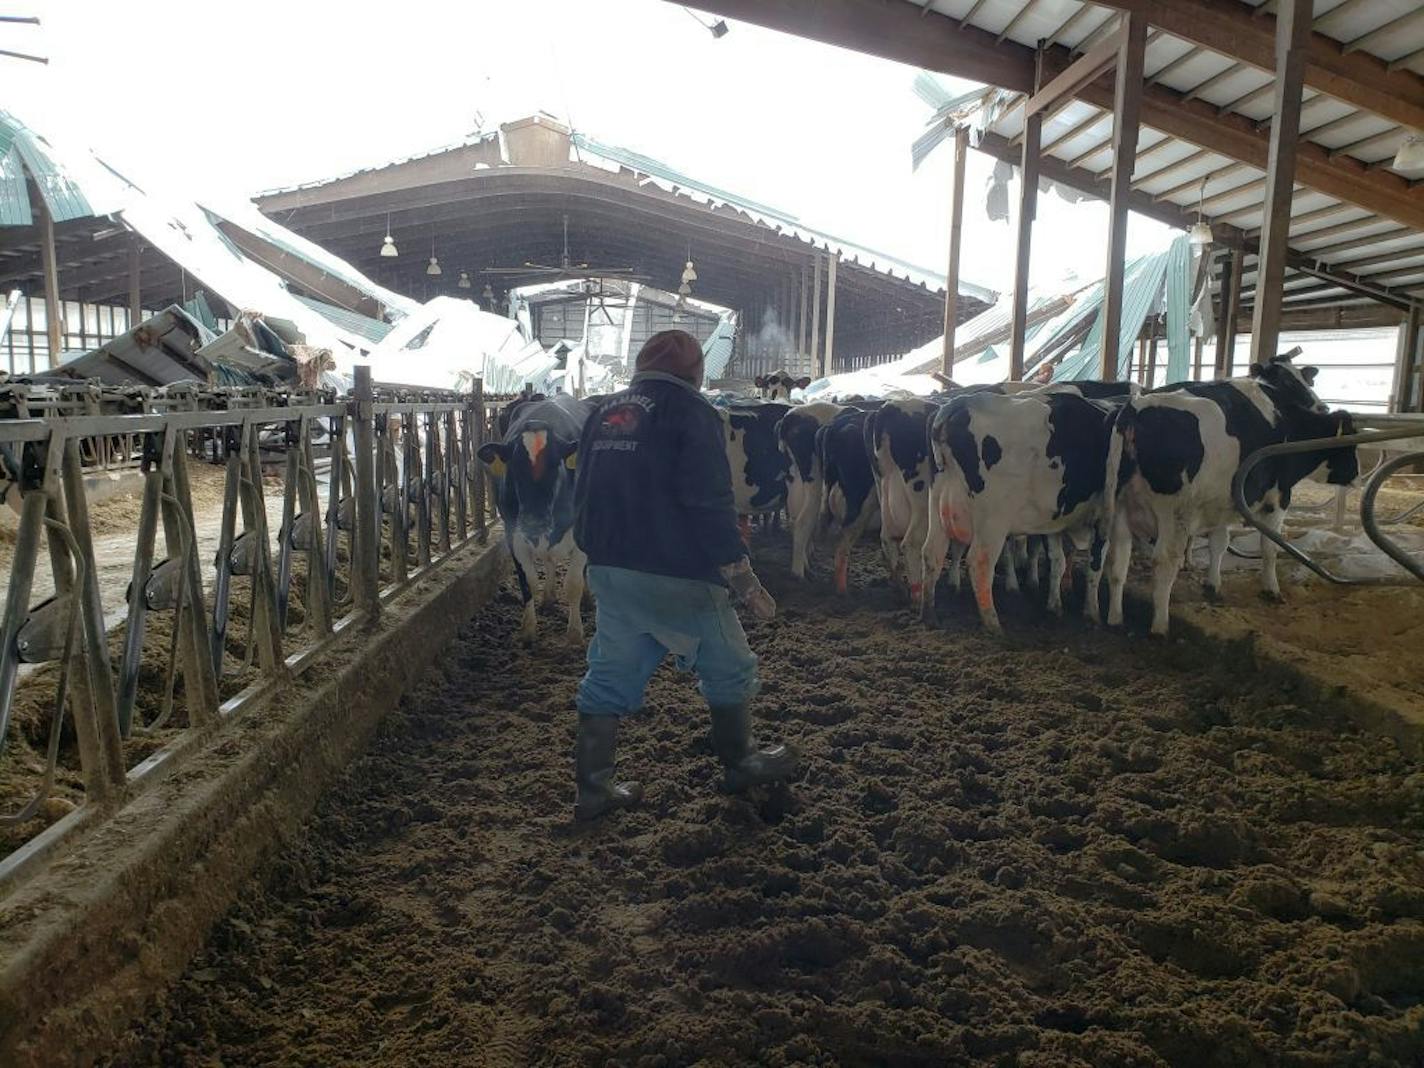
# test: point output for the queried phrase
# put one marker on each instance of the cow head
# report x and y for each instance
(1342, 465)
(1289, 384)
(538, 468)
(778, 385)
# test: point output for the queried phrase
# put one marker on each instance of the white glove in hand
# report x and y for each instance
(749, 589)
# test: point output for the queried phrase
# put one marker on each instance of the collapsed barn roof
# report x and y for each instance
(505, 200)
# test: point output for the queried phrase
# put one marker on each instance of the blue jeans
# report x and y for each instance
(641, 619)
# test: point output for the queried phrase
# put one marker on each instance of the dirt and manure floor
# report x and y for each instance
(1066, 847)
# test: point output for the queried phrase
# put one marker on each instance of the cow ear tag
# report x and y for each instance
(497, 467)
(571, 461)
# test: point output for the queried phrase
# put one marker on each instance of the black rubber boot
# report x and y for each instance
(745, 765)
(593, 770)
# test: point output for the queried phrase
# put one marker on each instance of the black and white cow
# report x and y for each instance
(897, 441)
(1175, 453)
(758, 467)
(848, 496)
(796, 438)
(534, 487)
(1015, 465)
(778, 385)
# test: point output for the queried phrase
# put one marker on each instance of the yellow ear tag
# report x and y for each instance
(571, 461)
(497, 467)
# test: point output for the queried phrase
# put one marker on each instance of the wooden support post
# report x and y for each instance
(1151, 375)
(1197, 347)
(1127, 103)
(956, 226)
(135, 282)
(831, 312)
(1229, 313)
(802, 354)
(1293, 18)
(819, 367)
(1409, 365)
(54, 311)
(1028, 204)
(366, 538)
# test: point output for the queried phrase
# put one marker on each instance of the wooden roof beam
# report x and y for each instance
(937, 42)
(1356, 78)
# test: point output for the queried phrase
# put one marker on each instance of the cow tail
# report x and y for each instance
(824, 457)
(1122, 424)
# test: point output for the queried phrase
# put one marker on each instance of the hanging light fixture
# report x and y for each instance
(1410, 156)
(388, 246)
(689, 273)
(488, 294)
(433, 267)
(1200, 235)
(464, 282)
(684, 290)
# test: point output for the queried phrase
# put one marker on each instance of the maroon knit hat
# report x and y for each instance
(674, 352)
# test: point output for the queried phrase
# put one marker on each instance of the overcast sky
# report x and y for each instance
(229, 99)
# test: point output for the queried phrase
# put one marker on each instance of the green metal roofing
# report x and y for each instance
(1141, 293)
(23, 151)
(1179, 309)
(372, 330)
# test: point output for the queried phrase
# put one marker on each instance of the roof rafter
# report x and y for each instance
(936, 42)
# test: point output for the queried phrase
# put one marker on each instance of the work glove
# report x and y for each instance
(749, 589)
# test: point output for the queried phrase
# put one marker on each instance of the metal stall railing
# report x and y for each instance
(391, 476)
(1376, 431)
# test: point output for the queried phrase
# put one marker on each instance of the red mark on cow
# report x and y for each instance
(744, 524)
(917, 590)
(535, 444)
(842, 570)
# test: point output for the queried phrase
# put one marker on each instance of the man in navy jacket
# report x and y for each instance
(657, 519)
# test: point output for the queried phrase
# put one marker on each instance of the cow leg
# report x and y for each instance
(983, 551)
(914, 537)
(1057, 568)
(573, 593)
(1096, 558)
(805, 508)
(889, 544)
(1217, 539)
(1270, 584)
(525, 570)
(1172, 541)
(956, 564)
(937, 541)
(1011, 571)
(1119, 559)
(550, 596)
(1035, 559)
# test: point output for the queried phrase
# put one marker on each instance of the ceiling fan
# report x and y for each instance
(567, 268)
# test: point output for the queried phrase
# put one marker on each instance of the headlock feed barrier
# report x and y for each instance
(403, 488)
(1370, 431)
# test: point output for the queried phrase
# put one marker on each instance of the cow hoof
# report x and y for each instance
(1273, 597)
(1056, 610)
(575, 640)
(525, 637)
(1211, 595)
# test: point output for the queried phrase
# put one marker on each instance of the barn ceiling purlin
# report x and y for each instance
(510, 201)
(1206, 100)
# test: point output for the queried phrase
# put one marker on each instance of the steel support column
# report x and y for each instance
(1127, 103)
(1229, 312)
(831, 312)
(54, 311)
(1293, 19)
(1409, 366)
(819, 368)
(1028, 203)
(956, 225)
